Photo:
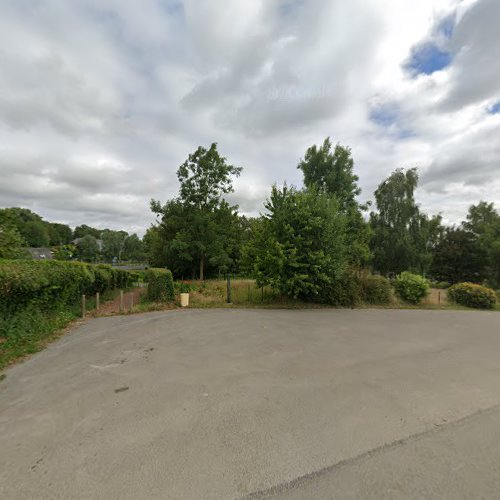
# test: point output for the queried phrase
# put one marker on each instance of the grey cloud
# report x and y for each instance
(476, 67)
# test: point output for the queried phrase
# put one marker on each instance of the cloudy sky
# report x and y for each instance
(102, 100)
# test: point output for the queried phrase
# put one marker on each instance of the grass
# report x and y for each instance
(31, 330)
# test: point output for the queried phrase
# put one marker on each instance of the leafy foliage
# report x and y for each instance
(376, 289)
(403, 238)
(199, 228)
(473, 295)
(11, 244)
(411, 287)
(298, 247)
(458, 257)
(160, 285)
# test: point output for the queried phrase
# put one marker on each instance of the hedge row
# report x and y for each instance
(160, 285)
(47, 284)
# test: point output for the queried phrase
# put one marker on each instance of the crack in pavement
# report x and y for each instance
(311, 476)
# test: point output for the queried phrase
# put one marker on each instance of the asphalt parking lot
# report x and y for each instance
(230, 404)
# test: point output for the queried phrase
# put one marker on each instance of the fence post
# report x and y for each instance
(83, 306)
(228, 288)
(262, 289)
(97, 301)
(121, 301)
(249, 292)
(439, 298)
(131, 301)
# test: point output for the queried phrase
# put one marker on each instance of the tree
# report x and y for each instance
(59, 234)
(28, 224)
(299, 245)
(87, 249)
(483, 221)
(403, 238)
(133, 249)
(113, 243)
(11, 244)
(332, 173)
(84, 230)
(198, 226)
(458, 257)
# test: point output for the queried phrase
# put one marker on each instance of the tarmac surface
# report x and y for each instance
(285, 404)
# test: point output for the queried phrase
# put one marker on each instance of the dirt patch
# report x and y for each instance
(130, 299)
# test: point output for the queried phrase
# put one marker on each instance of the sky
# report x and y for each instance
(102, 100)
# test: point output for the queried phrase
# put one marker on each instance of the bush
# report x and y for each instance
(472, 295)
(160, 285)
(375, 289)
(346, 290)
(442, 285)
(411, 287)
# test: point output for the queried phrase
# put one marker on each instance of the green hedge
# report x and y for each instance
(160, 285)
(472, 295)
(411, 287)
(376, 289)
(47, 284)
(356, 287)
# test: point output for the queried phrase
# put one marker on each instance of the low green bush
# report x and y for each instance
(346, 290)
(375, 289)
(441, 285)
(472, 295)
(160, 285)
(411, 287)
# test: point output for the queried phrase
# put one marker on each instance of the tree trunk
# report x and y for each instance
(202, 266)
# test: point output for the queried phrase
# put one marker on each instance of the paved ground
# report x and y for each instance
(231, 404)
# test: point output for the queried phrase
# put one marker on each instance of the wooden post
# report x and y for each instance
(83, 306)
(131, 301)
(121, 301)
(439, 298)
(249, 292)
(262, 294)
(97, 301)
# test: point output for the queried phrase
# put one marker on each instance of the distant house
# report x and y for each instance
(40, 253)
(100, 243)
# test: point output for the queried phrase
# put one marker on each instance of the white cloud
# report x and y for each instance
(101, 101)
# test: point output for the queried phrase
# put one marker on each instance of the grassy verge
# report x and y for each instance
(33, 329)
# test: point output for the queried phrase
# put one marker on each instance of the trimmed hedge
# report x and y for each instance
(160, 285)
(411, 287)
(47, 284)
(472, 295)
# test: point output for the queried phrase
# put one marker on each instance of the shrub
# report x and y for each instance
(346, 290)
(442, 285)
(160, 285)
(411, 287)
(472, 295)
(375, 289)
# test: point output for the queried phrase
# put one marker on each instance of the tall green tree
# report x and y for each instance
(197, 228)
(330, 171)
(403, 238)
(458, 257)
(84, 230)
(87, 249)
(133, 249)
(483, 221)
(113, 243)
(299, 244)
(27, 223)
(59, 234)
